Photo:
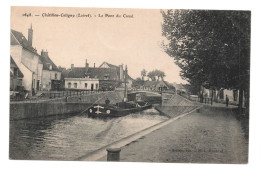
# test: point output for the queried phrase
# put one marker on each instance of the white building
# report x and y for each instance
(81, 83)
(27, 60)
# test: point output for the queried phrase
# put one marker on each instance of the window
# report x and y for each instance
(106, 77)
(56, 76)
(75, 85)
(96, 86)
(86, 85)
(15, 72)
(69, 85)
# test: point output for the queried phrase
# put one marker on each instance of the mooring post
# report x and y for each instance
(113, 154)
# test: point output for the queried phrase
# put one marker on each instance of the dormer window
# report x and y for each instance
(50, 67)
(106, 77)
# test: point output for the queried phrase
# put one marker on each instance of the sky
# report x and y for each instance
(134, 42)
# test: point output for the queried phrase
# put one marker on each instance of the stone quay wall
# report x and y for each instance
(71, 105)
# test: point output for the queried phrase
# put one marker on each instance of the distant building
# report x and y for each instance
(157, 85)
(180, 89)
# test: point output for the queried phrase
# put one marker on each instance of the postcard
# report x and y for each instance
(129, 85)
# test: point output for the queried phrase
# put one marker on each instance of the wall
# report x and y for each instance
(81, 83)
(30, 60)
(23, 110)
(33, 110)
(46, 82)
(16, 53)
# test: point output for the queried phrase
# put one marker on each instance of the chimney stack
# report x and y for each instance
(86, 66)
(30, 36)
(72, 66)
(44, 53)
(94, 65)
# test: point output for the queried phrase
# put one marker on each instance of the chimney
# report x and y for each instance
(44, 53)
(86, 66)
(30, 35)
(94, 65)
(72, 66)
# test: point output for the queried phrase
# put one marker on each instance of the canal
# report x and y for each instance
(70, 137)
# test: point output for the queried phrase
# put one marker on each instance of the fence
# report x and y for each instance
(61, 94)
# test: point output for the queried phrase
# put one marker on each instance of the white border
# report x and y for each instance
(254, 157)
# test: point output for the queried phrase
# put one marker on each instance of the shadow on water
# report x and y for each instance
(68, 137)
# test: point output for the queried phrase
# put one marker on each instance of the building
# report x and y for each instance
(157, 85)
(27, 60)
(51, 75)
(180, 89)
(40, 73)
(16, 76)
(105, 77)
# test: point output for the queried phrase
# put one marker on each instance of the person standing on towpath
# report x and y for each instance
(227, 100)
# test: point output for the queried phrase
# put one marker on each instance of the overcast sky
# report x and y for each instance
(116, 40)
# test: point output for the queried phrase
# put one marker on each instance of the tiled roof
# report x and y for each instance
(22, 41)
(46, 61)
(13, 64)
(100, 73)
(110, 65)
(76, 72)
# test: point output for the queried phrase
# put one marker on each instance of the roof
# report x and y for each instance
(21, 40)
(178, 86)
(46, 61)
(14, 65)
(76, 72)
(110, 65)
(150, 83)
(100, 73)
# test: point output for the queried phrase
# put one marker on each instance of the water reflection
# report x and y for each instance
(67, 138)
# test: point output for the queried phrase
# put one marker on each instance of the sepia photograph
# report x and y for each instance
(129, 85)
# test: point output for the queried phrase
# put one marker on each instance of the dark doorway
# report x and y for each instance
(38, 85)
(92, 87)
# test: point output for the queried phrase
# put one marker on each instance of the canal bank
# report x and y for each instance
(61, 106)
(208, 135)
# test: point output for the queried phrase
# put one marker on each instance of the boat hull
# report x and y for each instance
(113, 111)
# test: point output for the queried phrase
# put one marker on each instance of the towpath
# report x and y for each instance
(214, 135)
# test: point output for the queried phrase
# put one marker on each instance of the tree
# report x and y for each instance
(138, 82)
(212, 46)
(151, 75)
(143, 73)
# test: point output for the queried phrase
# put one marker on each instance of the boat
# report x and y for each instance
(117, 110)
(131, 104)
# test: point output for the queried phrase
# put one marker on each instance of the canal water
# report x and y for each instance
(67, 138)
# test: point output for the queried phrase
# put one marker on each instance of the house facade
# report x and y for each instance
(82, 84)
(51, 75)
